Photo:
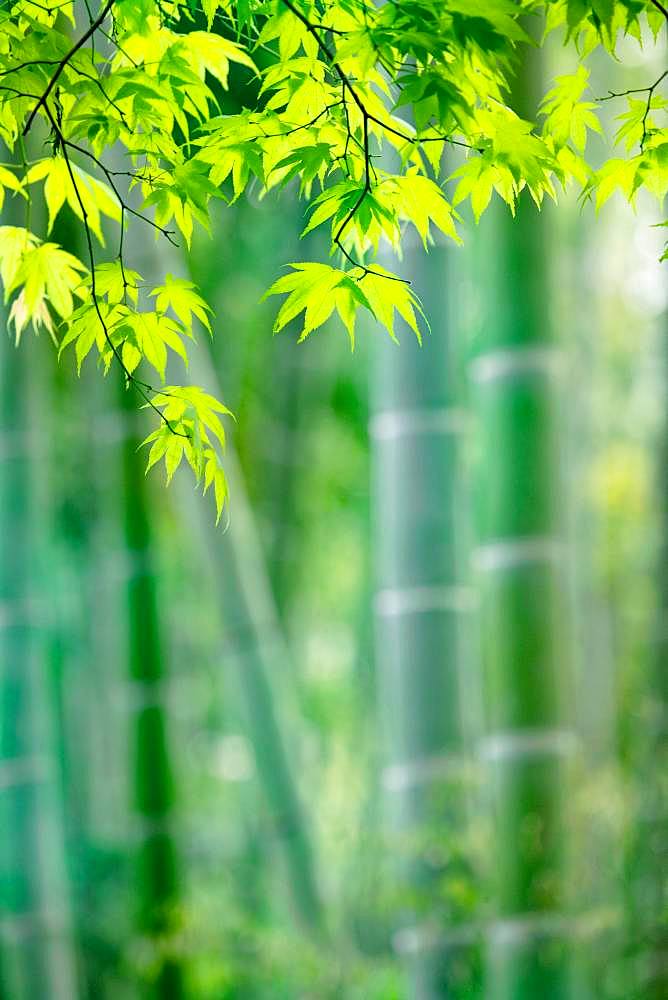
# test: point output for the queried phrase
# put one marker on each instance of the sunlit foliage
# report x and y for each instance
(121, 114)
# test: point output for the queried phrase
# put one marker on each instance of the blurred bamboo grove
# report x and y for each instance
(398, 729)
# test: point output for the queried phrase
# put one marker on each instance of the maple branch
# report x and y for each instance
(30, 62)
(110, 101)
(639, 90)
(143, 388)
(348, 85)
(298, 128)
(114, 42)
(366, 118)
(660, 6)
(109, 174)
(92, 28)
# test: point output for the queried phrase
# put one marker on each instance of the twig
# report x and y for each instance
(143, 388)
(109, 174)
(92, 28)
(367, 116)
(659, 6)
(638, 90)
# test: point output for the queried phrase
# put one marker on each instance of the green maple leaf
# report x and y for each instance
(182, 298)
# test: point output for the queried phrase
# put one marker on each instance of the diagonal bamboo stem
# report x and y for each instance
(257, 649)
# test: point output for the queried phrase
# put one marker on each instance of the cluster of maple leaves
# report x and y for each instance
(382, 115)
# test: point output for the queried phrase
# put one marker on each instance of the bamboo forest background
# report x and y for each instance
(398, 729)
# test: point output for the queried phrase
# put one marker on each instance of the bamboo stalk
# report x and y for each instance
(649, 914)
(422, 609)
(519, 560)
(36, 957)
(254, 638)
(157, 880)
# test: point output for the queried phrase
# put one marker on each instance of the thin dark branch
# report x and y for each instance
(347, 86)
(28, 64)
(109, 174)
(660, 6)
(76, 69)
(109, 100)
(114, 42)
(633, 90)
(298, 128)
(92, 28)
(143, 388)
(639, 90)
(19, 93)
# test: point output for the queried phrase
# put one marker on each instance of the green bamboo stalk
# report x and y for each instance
(289, 388)
(519, 561)
(36, 958)
(650, 913)
(80, 581)
(254, 643)
(597, 861)
(249, 623)
(157, 879)
(422, 610)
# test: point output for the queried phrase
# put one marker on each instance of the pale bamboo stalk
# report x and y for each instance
(36, 954)
(529, 741)
(423, 609)
(254, 644)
